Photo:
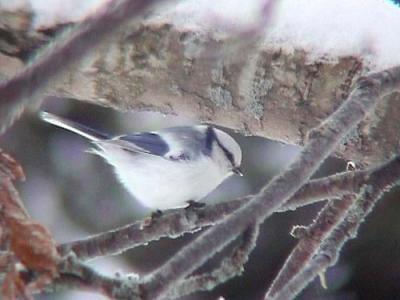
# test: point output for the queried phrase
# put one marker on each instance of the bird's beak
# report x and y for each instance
(237, 171)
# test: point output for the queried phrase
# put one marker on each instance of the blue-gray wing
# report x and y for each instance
(175, 143)
(145, 142)
(188, 142)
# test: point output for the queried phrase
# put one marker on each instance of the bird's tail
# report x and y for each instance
(80, 129)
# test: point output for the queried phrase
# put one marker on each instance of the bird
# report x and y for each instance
(171, 168)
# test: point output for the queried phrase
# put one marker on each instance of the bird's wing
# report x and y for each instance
(178, 144)
(144, 142)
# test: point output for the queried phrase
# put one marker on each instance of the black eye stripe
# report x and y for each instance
(227, 153)
(210, 138)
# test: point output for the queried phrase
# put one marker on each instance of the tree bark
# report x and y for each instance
(248, 86)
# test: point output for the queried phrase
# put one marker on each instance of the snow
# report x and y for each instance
(49, 12)
(326, 29)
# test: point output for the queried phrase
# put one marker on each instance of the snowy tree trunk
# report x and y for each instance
(255, 89)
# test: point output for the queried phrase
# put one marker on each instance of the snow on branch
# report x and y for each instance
(271, 88)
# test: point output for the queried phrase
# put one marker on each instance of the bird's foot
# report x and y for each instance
(155, 215)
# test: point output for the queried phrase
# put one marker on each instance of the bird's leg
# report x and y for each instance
(155, 215)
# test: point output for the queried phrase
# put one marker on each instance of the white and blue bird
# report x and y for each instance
(164, 169)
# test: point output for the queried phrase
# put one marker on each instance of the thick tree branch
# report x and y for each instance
(322, 142)
(175, 223)
(249, 86)
(27, 88)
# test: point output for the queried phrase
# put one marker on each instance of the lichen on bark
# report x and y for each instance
(256, 88)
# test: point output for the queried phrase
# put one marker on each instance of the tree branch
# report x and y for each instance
(177, 222)
(255, 88)
(76, 275)
(322, 142)
(330, 249)
(231, 266)
(311, 238)
(27, 88)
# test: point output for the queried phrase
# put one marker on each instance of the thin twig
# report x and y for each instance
(331, 247)
(322, 141)
(311, 238)
(27, 88)
(75, 275)
(177, 222)
(231, 266)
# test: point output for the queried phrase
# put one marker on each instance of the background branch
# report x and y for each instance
(27, 88)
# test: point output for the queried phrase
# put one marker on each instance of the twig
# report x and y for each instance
(231, 266)
(172, 224)
(175, 223)
(27, 88)
(310, 240)
(331, 247)
(322, 142)
(74, 274)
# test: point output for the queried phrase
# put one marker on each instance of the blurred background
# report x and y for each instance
(75, 194)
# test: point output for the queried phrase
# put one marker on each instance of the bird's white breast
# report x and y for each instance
(159, 183)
